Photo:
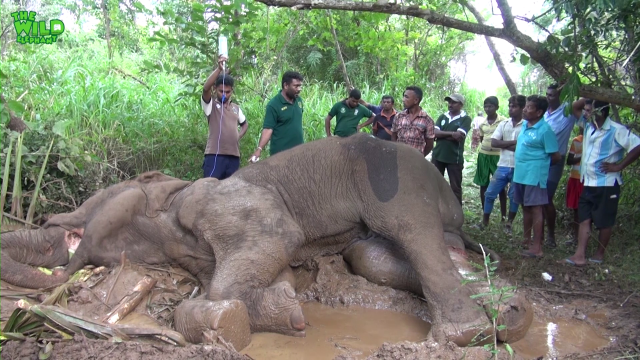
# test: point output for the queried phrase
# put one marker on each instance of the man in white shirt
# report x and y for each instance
(603, 159)
(505, 138)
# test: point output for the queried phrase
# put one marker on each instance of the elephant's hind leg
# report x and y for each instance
(455, 315)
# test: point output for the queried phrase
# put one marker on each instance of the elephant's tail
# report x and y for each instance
(470, 244)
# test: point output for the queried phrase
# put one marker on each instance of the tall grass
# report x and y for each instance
(112, 121)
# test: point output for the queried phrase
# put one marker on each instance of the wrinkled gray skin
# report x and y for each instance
(23, 249)
(310, 200)
(378, 260)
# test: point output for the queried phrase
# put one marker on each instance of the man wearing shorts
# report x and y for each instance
(536, 146)
(489, 156)
(562, 125)
(604, 146)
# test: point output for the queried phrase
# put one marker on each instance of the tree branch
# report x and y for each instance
(494, 51)
(413, 11)
(551, 63)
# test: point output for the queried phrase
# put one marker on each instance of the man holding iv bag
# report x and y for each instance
(222, 153)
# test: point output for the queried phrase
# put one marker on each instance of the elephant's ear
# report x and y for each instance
(160, 195)
(152, 177)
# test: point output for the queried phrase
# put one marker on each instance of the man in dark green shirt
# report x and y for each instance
(451, 131)
(283, 118)
(348, 114)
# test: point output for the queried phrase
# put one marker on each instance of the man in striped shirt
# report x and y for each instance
(603, 159)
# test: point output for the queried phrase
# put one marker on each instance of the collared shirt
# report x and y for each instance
(414, 132)
(561, 125)
(347, 118)
(446, 150)
(576, 150)
(535, 144)
(607, 144)
(507, 132)
(486, 130)
(223, 126)
(383, 124)
(285, 119)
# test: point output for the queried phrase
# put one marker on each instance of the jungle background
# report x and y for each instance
(118, 93)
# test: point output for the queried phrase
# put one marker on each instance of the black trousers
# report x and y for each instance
(455, 176)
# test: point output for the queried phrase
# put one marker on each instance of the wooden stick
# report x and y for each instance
(129, 302)
(627, 299)
(122, 260)
(579, 293)
(18, 219)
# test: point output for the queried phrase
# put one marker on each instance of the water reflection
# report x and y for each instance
(553, 339)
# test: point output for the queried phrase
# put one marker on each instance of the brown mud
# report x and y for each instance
(348, 318)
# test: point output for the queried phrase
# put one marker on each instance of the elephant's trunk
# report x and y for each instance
(23, 275)
(23, 249)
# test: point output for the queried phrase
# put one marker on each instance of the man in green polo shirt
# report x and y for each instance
(283, 118)
(348, 114)
(451, 130)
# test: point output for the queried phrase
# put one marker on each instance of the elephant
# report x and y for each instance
(237, 235)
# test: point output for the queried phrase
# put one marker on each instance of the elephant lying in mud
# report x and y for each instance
(237, 235)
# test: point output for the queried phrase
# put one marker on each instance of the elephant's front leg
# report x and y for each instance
(249, 258)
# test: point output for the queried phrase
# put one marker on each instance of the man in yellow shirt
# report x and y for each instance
(488, 156)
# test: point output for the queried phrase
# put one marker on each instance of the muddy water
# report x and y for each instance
(558, 338)
(354, 331)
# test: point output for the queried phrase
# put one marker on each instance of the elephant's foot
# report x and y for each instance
(466, 334)
(517, 315)
(278, 311)
(204, 321)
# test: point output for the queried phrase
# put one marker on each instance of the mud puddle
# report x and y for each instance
(557, 338)
(354, 331)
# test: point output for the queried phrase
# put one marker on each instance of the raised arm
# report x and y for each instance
(208, 84)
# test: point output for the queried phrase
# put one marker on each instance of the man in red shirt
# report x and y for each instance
(413, 126)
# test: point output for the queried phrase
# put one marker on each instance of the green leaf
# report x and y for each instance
(15, 106)
(524, 59)
(63, 167)
(60, 127)
(509, 349)
(197, 7)
(3, 76)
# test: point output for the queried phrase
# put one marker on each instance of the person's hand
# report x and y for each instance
(608, 167)
(457, 136)
(255, 157)
(221, 60)
(358, 128)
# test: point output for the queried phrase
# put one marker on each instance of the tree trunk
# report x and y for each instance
(496, 56)
(343, 67)
(552, 63)
(107, 27)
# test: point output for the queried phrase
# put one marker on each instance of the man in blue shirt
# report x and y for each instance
(535, 145)
(562, 125)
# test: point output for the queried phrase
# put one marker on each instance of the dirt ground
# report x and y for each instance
(571, 295)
